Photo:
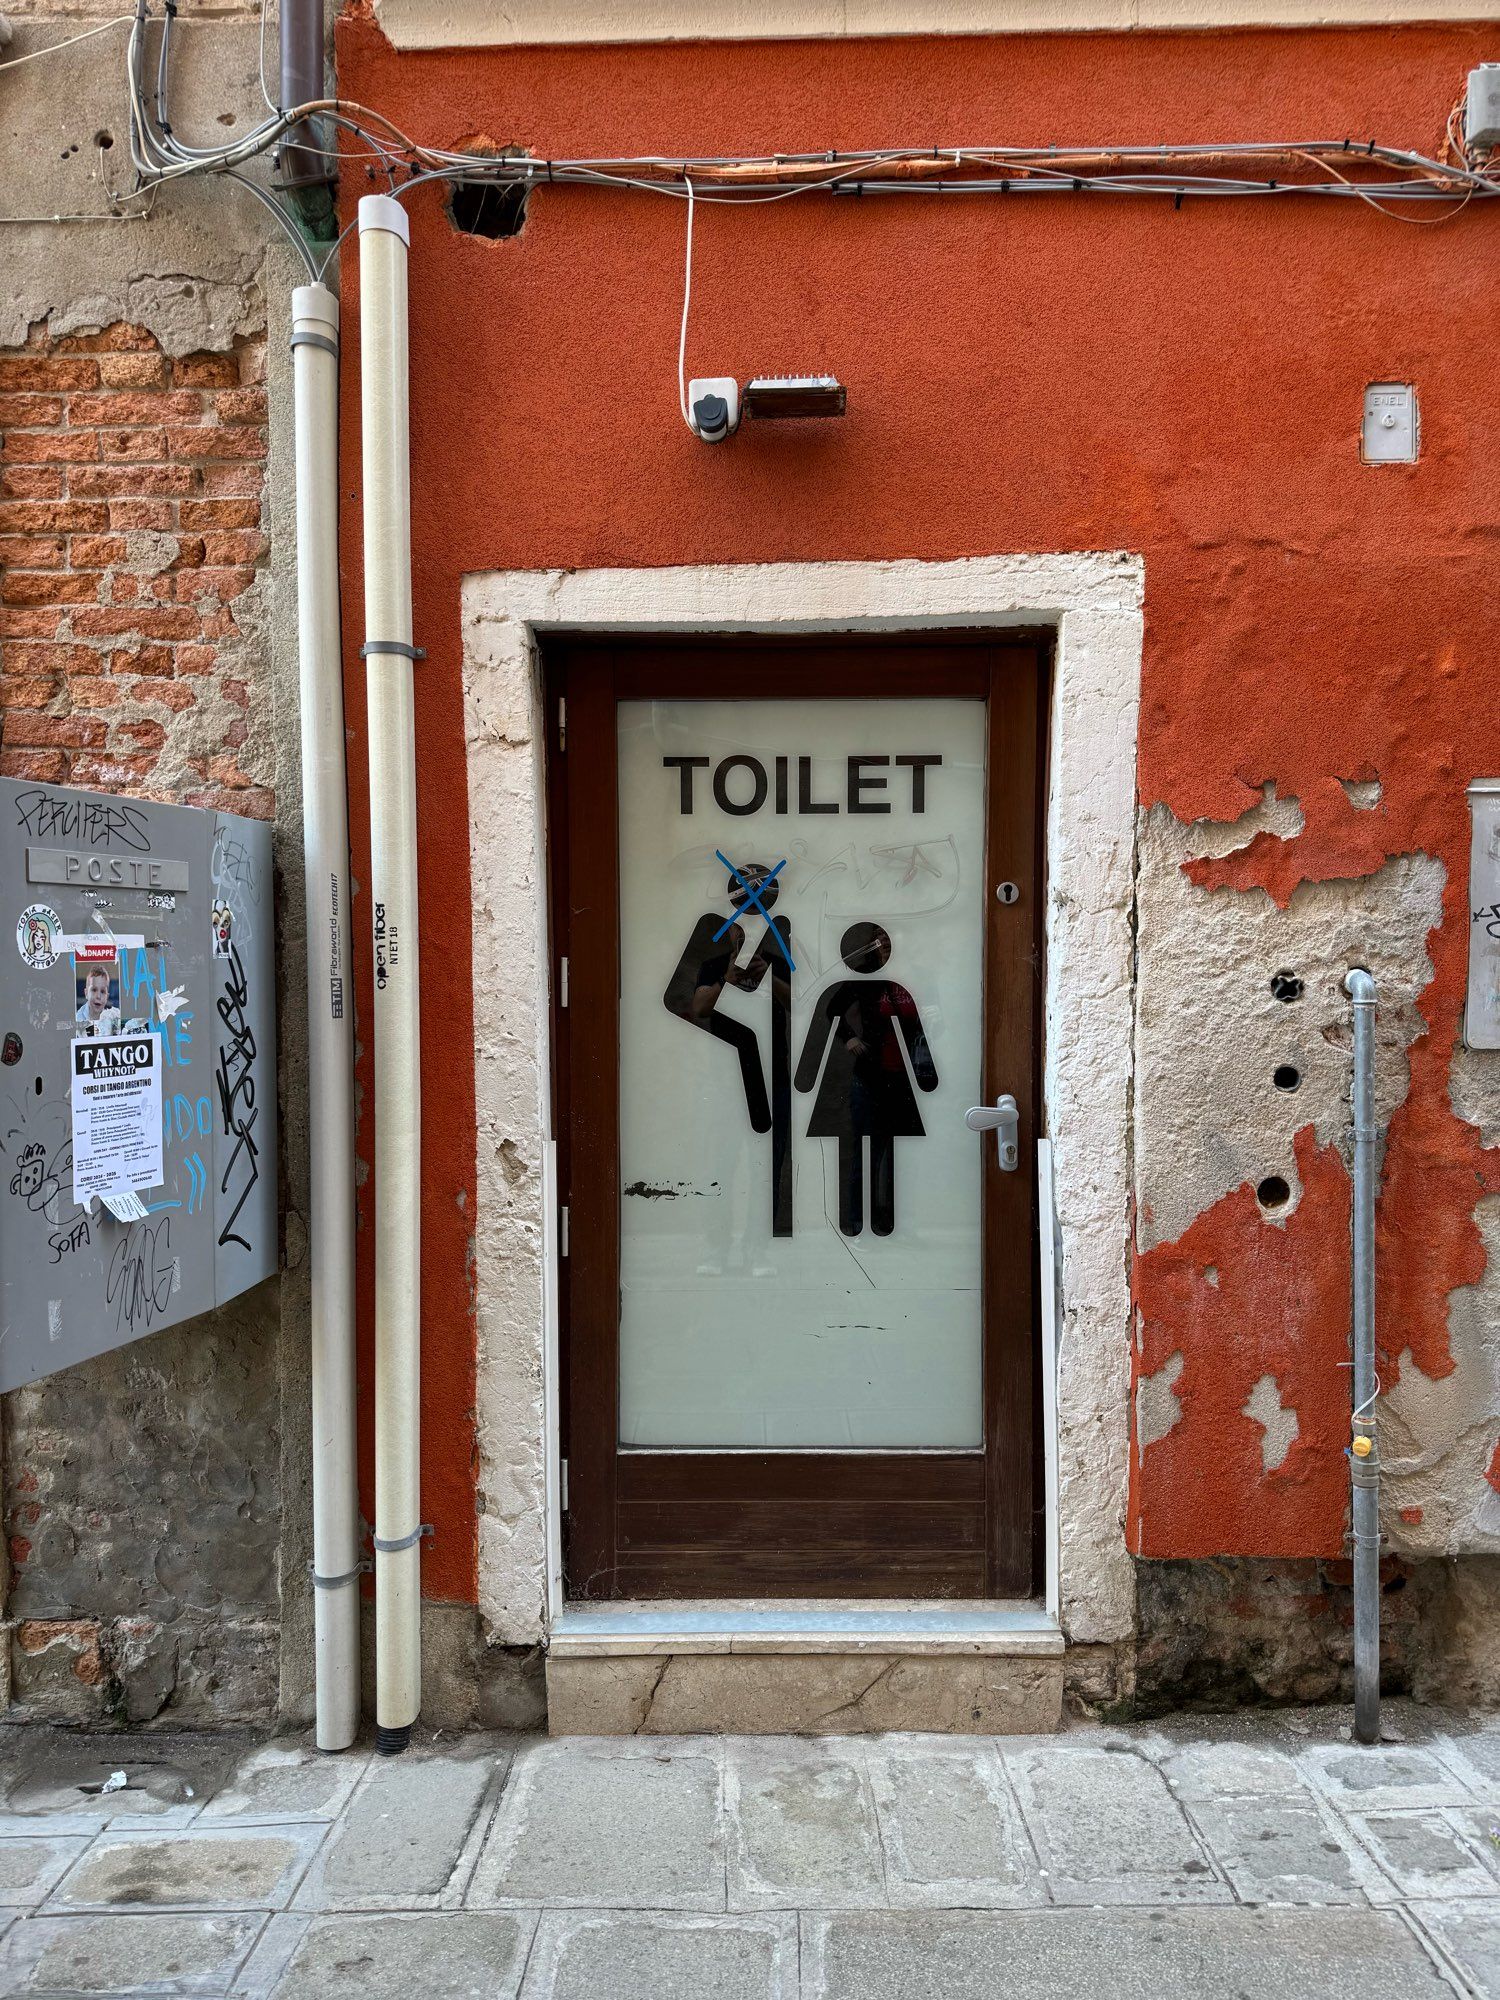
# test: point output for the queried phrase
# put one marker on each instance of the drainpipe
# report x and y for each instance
(303, 167)
(1364, 1450)
(389, 653)
(330, 1026)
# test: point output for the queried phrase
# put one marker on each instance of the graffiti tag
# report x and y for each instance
(236, 1086)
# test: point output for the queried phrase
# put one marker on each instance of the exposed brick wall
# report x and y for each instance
(132, 540)
(142, 1498)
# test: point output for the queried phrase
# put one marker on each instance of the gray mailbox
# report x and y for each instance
(137, 1070)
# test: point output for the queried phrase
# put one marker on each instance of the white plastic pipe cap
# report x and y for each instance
(379, 211)
(317, 304)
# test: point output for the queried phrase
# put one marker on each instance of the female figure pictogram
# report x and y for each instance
(866, 1090)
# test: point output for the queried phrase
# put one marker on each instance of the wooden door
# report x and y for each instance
(798, 1329)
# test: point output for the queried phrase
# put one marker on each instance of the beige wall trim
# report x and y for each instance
(437, 24)
(1093, 602)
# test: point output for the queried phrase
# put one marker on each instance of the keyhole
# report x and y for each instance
(1008, 893)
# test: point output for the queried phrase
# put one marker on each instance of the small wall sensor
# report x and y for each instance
(714, 407)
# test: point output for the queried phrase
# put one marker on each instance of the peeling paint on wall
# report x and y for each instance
(1157, 1405)
(1278, 1422)
(1281, 1308)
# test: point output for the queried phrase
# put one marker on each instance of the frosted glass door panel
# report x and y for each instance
(801, 931)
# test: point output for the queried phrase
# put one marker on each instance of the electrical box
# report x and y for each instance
(137, 1070)
(1390, 434)
(1482, 109)
(1482, 1009)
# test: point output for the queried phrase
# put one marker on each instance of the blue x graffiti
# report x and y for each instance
(753, 892)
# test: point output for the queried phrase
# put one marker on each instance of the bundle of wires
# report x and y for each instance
(1395, 181)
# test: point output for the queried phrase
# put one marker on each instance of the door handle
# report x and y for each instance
(1003, 1118)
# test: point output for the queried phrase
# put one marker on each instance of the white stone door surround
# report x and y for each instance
(1093, 603)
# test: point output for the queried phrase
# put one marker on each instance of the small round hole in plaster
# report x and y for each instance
(1287, 1076)
(1273, 1192)
(1286, 985)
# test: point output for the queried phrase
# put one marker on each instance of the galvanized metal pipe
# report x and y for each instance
(302, 160)
(1364, 1448)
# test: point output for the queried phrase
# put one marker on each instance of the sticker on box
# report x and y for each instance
(39, 935)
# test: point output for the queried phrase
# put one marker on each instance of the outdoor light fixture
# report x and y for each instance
(795, 396)
(715, 403)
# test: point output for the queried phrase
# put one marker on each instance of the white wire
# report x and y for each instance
(687, 299)
(265, 8)
(119, 21)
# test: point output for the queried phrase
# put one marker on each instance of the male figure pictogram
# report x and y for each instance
(710, 961)
(866, 1091)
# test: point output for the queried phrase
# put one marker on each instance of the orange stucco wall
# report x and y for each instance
(1047, 374)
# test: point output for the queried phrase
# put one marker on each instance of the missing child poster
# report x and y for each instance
(117, 1132)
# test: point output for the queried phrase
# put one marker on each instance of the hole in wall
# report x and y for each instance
(486, 208)
(39, 1086)
(1286, 985)
(104, 140)
(1273, 1192)
(1287, 1076)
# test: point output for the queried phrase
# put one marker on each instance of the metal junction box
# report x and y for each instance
(1390, 433)
(137, 1070)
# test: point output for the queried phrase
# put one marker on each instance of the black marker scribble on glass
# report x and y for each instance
(865, 1093)
(236, 1085)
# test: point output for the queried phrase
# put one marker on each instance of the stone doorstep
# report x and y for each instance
(1005, 1628)
(808, 1669)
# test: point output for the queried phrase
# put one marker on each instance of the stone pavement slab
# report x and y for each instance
(281, 1782)
(1475, 1755)
(1363, 1777)
(951, 1828)
(1469, 1935)
(1427, 1854)
(1177, 1954)
(1231, 1771)
(432, 1955)
(803, 1832)
(1282, 1851)
(191, 1868)
(65, 1957)
(645, 1955)
(71, 1780)
(1107, 1829)
(30, 1869)
(409, 1834)
(635, 1824)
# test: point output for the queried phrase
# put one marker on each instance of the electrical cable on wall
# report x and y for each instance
(687, 300)
(1009, 170)
(1397, 182)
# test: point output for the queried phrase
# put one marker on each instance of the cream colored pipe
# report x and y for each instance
(330, 1024)
(393, 895)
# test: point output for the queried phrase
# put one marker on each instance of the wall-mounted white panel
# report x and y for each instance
(1482, 1014)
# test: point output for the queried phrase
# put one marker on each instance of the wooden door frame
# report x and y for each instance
(635, 1520)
